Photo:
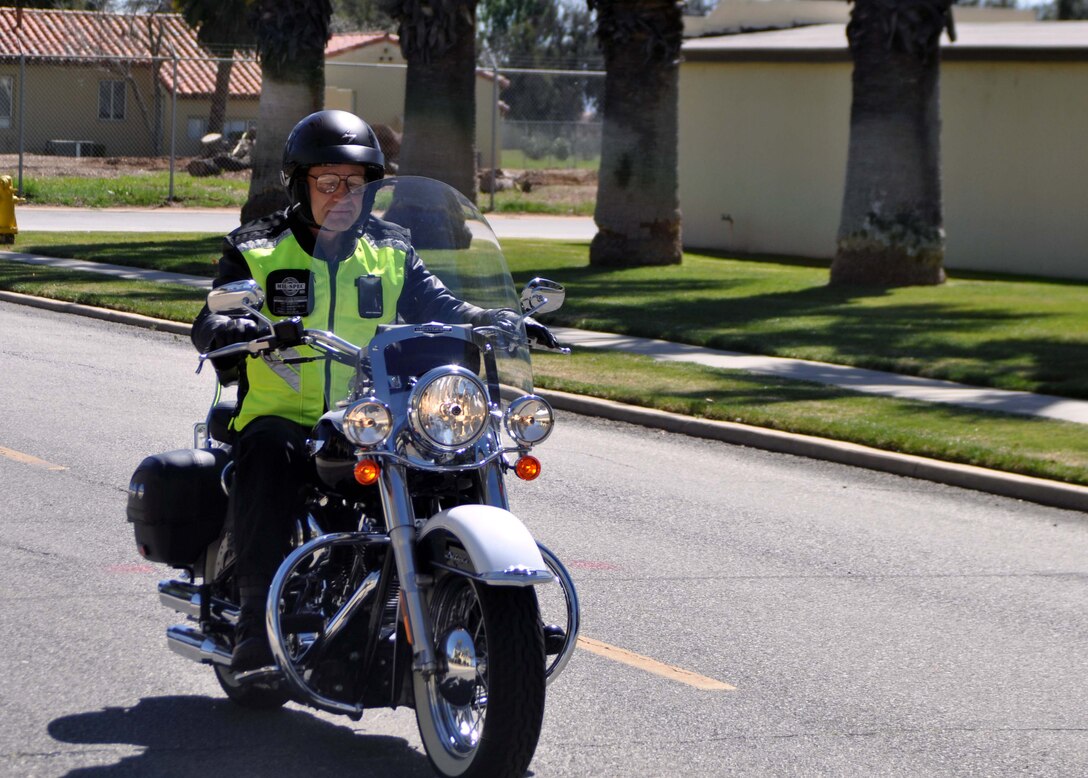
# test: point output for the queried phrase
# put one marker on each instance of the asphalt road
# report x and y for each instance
(870, 624)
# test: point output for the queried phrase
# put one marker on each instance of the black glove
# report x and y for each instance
(505, 318)
(231, 331)
(539, 334)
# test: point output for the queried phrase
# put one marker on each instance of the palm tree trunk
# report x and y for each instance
(439, 42)
(638, 210)
(891, 232)
(218, 111)
(291, 37)
(282, 105)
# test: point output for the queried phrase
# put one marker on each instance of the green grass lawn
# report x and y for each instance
(1013, 333)
(1030, 446)
(1016, 333)
(513, 201)
(137, 191)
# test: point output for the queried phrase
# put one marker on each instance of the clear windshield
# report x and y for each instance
(449, 235)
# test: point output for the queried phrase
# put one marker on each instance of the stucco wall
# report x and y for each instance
(765, 144)
(377, 91)
(61, 103)
(762, 156)
(1015, 167)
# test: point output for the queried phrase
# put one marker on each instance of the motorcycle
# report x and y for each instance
(410, 582)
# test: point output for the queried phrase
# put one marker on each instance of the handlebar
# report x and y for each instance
(326, 342)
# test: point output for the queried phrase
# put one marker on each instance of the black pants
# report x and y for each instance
(270, 474)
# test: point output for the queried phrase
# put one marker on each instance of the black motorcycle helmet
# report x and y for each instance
(327, 138)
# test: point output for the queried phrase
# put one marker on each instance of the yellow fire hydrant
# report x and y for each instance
(8, 228)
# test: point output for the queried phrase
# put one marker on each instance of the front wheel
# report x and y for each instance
(481, 713)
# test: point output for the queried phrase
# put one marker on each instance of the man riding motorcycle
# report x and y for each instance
(377, 279)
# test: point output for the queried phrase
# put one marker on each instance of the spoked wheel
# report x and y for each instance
(480, 714)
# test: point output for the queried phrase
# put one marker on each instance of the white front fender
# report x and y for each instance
(486, 543)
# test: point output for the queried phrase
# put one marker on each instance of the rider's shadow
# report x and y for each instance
(185, 736)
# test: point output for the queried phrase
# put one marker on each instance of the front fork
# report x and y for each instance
(400, 521)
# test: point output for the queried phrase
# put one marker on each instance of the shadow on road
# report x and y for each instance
(206, 736)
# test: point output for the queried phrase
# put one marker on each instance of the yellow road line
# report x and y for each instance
(626, 657)
(27, 459)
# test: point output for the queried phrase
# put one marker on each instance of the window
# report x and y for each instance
(197, 127)
(111, 100)
(6, 92)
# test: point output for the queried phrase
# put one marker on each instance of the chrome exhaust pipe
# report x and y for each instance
(184, 598)
(193, 644)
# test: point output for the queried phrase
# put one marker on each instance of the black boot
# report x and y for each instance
(251, 648)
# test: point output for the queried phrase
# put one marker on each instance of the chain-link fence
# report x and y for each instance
(97, 117)
(550, 118)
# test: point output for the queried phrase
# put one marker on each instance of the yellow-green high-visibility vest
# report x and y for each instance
(350, 297)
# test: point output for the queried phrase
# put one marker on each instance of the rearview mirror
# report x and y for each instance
(236, 297)
(542, 296)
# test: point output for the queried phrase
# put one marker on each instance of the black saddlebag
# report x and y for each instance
(176, 505)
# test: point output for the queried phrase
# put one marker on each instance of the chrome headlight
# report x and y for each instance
(367, 422)
(448, 409)
(529, 419)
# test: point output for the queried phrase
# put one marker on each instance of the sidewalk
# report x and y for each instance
(857, 379)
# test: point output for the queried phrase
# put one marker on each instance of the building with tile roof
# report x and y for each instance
(109, 84)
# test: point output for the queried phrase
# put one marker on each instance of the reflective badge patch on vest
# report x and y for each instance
(290, 292)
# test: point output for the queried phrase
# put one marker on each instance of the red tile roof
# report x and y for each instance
(72, 36)
(349, 41)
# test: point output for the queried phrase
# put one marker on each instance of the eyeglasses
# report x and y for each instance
(327, 183)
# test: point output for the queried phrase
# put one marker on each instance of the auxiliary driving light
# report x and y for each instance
(529, 419)
(367, 422)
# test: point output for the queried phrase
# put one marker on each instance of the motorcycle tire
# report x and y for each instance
(254, 695)
(494, 733)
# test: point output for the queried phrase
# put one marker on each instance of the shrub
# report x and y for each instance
(561, 149)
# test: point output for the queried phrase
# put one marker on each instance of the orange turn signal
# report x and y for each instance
(527, 468)
(367, 472)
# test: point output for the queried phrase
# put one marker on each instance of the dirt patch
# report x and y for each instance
(49, 166)
(559, 187)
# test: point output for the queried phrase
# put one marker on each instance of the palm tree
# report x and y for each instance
(221, 27)
(291, 38)
(638, 211)
(438, 39)
(892, 228)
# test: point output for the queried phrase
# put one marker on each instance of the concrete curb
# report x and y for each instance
(1037, 490)
(105, 314)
